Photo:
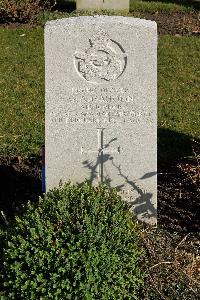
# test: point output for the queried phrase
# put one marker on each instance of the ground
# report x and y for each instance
(176, 23)
(172, 260)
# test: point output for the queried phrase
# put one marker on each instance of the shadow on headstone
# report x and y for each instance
(141, 204)
(20, 182)
(178, 195)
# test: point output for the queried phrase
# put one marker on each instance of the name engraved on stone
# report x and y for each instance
(102, 98)
(101, 151)
(104, 61)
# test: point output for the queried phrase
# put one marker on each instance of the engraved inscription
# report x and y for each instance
(102, 117)
(104, 61)
(93, 90)
(102, 107)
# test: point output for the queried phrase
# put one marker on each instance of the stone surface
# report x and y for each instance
(101, 108)
(103, 4)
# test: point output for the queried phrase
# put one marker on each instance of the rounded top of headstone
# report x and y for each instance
(103, 19)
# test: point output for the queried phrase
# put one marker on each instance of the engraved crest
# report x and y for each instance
(105, 60)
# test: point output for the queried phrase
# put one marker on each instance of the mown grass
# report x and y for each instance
(163, 5)
(66, 8)
(22, 88)
(178, 84)
(22, 91)
(145, 5)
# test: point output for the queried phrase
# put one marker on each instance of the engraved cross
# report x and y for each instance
(101, 151)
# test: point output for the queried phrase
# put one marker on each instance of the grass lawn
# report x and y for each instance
(66, 8)
(163, 5)
(147, 5)
(22, 91)
(22, 88)
(178, 84)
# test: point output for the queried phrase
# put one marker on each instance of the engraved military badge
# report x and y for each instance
(105, 60)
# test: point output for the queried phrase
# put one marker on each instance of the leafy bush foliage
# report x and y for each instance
(22, 10)
(79, 242)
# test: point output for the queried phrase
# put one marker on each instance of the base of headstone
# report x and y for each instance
(43, 169)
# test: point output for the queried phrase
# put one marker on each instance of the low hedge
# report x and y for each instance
(78, 242)
(23, 11)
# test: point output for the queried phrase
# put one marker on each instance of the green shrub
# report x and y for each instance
(79, 242)
(22, 10)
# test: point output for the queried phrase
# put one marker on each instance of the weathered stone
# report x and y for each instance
(101, 108)
(103, 4)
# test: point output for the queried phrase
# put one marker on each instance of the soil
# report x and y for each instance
(173, 23)
(178, 202)
(20, 181)
(176, 23)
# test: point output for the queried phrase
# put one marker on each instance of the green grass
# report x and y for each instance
(165, 5)
(22, 88)
(178, 97)
(178, 84)
(22, 91)
(147, 5)
(67, 8)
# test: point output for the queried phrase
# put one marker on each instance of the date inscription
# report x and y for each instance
(105, 107)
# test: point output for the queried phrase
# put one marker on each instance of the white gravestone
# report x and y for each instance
(101, 107)
(103, 4)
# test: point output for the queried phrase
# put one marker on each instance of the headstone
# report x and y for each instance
(103, 4)
(101, 109)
